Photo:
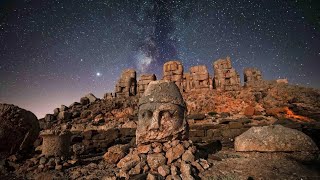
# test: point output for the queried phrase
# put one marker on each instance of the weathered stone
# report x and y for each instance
(249, 111)
(196, 116)
(144, 81)
(128, 162)
(164, 170)
(19, 128)
(84, 101)
(49, 117)
(85, 114)
(197, 165)
(115, 153)
(56, 111)
(188, 156)
(161, 114)
(63, 108)
(64, 115)
(127, 84)
(91, 97)
(173, 71)
(199, 77)
(144, 149)
(204, 163)
(252, 77)
(155, 160)
(173, 177)
(156, 147)
(135, 170)
(225, 77)
(174, 153)
(186, 171)
(56, 143)
(274, 139)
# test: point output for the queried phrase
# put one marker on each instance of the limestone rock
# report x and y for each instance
(128, 162)
(127, 84)
(173, 71)
(115, 153)
(19, 128)
(91, 97)
(156, 160)
(274, 139)
(174, 153)
(225, 76)
(161, 114)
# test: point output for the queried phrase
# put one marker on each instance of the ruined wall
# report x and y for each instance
(144, 81)
(173, 71)
(252, 76)
(225, 76)
(127, 84)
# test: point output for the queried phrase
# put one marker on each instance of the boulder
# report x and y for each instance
(116, 153)
(274, 139)
(64, 115)
(19, 128)
(91, 97)
(84, 101)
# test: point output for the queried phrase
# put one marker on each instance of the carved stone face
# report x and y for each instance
(161, 119)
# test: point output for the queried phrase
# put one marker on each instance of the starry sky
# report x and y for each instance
(54, 52)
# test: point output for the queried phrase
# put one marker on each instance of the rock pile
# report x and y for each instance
(170, 160)
(162, 150)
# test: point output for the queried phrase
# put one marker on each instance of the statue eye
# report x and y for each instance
(147, 114)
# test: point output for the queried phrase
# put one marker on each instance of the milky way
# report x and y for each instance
(54, 52)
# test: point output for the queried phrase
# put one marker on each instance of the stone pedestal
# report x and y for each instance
(56, 143)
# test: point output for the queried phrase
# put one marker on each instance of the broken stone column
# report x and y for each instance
(144, 81)
(56, 143)
(252, 77)
(127, 84)
(226, 77)
(200, 77)
(173, 71)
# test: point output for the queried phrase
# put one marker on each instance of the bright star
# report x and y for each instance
(98, 74)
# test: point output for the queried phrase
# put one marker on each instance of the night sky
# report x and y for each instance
(53, 52)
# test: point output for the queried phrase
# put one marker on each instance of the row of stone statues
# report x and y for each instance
(225, 78)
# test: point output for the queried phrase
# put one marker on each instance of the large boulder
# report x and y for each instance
(274, 139)
(19, 128)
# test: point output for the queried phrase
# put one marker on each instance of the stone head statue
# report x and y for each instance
(161, 114)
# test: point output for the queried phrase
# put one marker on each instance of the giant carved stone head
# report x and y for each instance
(161, 114)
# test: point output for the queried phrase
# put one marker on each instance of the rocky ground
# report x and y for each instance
(215, 119)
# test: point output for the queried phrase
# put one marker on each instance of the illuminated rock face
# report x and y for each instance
(144, 81)
(199, 77)
(161, 114)
(127, 84)
(225, 76)
(173, 71)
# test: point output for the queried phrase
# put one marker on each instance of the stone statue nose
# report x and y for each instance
(155, 121)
